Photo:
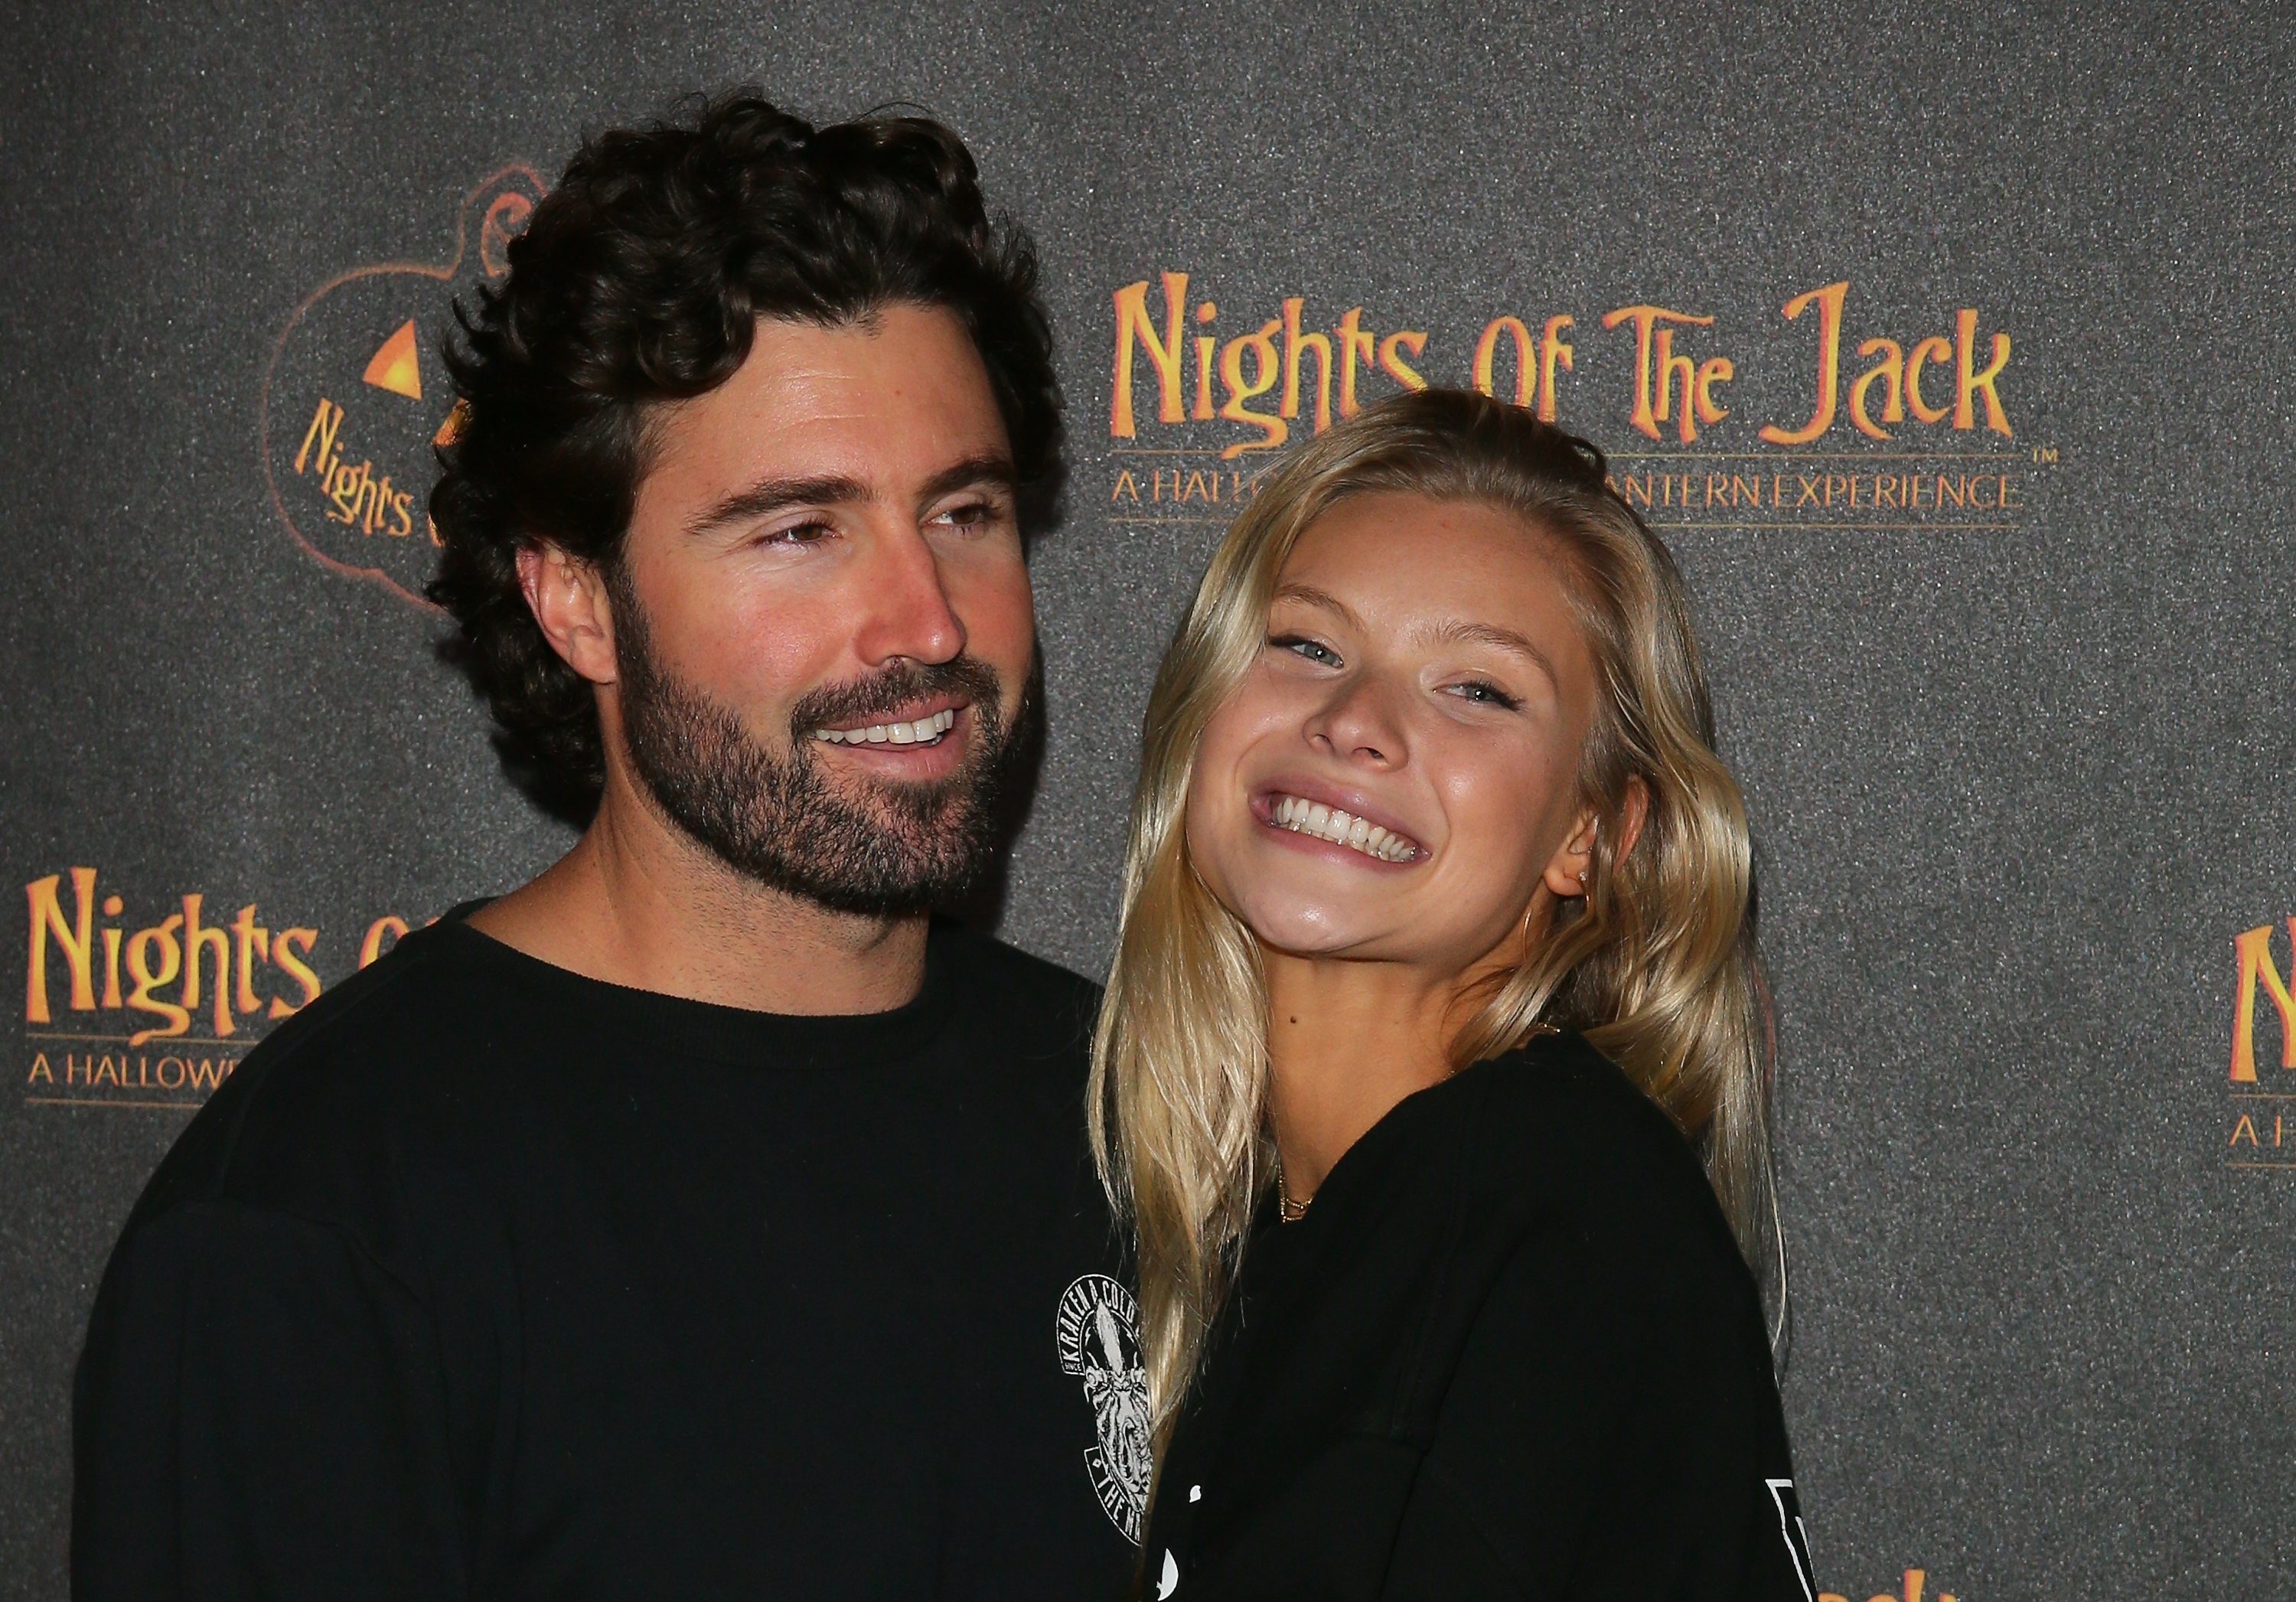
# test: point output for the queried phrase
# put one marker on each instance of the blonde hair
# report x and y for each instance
(1655, 963)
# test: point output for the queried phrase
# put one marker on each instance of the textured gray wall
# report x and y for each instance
(2018, 778)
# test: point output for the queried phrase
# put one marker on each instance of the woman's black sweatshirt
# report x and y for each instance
(1510, 1351)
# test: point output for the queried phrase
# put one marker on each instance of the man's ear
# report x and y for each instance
(1566, 873)
(568, 597)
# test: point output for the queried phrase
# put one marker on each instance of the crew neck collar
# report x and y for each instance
(1362, 1162)
(676, 1023)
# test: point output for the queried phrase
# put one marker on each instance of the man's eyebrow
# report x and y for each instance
(769, 496)
(1503, 639)
(987, 468)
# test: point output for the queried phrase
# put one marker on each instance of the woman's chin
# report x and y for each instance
(1316, 931)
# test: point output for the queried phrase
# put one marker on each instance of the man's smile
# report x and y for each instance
(927, 730)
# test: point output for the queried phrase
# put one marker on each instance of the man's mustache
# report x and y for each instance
(862, 700)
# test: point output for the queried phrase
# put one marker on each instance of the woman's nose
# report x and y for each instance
(1360, 723)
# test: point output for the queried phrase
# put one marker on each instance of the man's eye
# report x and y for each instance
(1315, 651)
(1485, 693)
(972, 514)
(799, 534)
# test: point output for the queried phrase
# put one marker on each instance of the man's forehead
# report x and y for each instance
(908, 357)
(885, 407)
(881, 404)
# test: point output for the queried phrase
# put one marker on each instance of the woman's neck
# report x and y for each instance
(1346, 1041)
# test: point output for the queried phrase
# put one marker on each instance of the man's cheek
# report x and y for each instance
(998, 614)
(779, 654)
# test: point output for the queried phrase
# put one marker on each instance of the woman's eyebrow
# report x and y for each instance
(1323, 600)
(1457, 633)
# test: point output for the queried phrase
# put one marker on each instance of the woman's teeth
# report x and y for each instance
(924, 731)
(1303, 816)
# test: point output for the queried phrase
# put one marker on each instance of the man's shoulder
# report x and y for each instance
(315, 1112)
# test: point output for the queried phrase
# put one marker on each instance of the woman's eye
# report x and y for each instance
(1485, 693)
(1314, 650)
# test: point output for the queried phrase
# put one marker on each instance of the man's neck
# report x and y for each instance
(638, 902)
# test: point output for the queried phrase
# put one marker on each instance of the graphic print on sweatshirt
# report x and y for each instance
(1100, 1344)
(1796, 1538)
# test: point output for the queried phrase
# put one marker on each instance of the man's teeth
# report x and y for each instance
(924, 731)
(1303, 816)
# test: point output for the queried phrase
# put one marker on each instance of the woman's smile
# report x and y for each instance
(1320, 816)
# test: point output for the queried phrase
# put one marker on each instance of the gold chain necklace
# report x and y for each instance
(1286, 1208)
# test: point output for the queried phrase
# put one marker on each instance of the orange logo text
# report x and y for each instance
(84, 954)
(1910, 1591)
(1272, 370)
(2253, 950)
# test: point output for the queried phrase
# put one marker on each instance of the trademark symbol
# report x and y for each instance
(2045, 453)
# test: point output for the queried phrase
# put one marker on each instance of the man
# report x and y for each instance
(691, 1222)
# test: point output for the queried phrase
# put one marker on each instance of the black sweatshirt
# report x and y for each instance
(1512, 1351)
(480, 1280)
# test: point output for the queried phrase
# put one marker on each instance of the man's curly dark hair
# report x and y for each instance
(640, 280)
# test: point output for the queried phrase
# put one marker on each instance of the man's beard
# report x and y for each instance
(869, 847)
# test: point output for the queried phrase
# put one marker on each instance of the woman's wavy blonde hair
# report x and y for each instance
(1655, 964)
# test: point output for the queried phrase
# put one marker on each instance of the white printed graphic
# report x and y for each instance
(1100, 1344)
(1796, 1538)
(1170, 1581)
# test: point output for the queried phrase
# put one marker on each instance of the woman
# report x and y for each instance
(1434, 990)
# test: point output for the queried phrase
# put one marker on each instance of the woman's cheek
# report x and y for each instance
(1262, 707)
(1499, 804)
(1196, 822)
(1213, 824)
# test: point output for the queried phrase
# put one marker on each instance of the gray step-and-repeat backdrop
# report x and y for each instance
(1950, 348)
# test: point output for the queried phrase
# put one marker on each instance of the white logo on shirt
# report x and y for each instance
(1100, 1342)
(1796, 1538)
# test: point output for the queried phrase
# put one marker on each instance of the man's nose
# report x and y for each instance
(903, 602)
(1360, 722)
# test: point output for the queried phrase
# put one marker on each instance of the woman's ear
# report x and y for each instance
(1632, 816)
(1566, 874)
(568, 598)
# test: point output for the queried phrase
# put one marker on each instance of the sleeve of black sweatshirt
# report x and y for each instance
(257, 1413)
(1612, 1432)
